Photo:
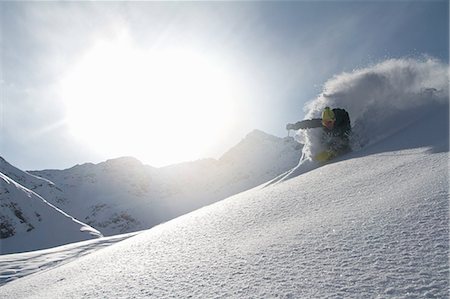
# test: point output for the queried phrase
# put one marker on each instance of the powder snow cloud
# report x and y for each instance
(381, 99)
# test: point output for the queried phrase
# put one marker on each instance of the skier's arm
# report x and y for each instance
(305, 124)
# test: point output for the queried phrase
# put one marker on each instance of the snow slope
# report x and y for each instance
(39, 185)
(29, 222)
(123, 195)
(381, 99)
(374, 223)
(17, 265)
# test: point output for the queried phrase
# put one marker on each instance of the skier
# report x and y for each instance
(336, 132)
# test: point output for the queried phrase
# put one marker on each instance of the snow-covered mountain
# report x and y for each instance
(29, 222)
(123, 195)
(372, 224)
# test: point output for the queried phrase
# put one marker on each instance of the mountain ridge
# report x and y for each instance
(123, 195)
(29, 222)
(378, 226)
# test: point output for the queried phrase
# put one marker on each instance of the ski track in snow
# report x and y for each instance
(387, 236)
(371, 224)
(14, 266)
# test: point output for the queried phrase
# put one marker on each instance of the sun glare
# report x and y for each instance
(162, 106)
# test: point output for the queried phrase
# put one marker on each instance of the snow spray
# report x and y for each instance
(380, 99)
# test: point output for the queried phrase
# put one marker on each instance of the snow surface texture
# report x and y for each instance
(14, 266)
(123, 195)
(29, 222)
(372, 224)
(378, 228)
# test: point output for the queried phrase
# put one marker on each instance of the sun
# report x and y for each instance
(162, 106)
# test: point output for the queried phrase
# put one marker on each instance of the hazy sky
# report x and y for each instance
(177, 81)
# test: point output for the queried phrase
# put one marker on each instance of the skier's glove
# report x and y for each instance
(289, 127)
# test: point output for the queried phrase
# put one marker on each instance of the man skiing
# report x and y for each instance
(336, 131)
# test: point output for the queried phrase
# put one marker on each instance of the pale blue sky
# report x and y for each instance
(280, 53)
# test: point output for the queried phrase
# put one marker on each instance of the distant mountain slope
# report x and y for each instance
(41, 186)
(372, 224)
(123, 195)
(29, 222)
(255, 156)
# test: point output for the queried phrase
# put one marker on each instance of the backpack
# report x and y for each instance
(342, 121)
